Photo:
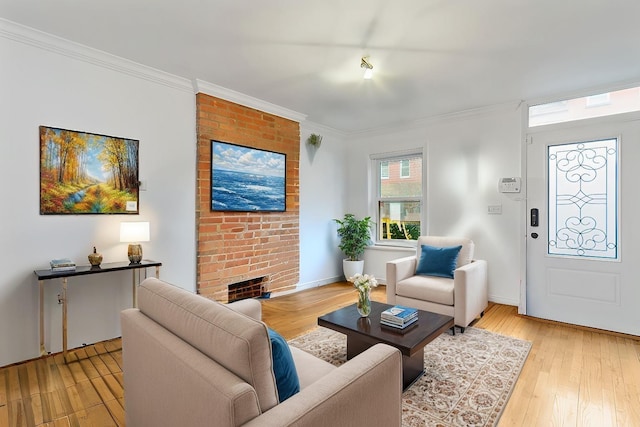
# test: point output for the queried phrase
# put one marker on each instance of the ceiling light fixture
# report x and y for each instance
(368, 68)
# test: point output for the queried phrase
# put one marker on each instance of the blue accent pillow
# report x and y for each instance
(284, 369)
(440, 262)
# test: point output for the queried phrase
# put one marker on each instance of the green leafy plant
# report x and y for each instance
(355, 235)
(314, 140)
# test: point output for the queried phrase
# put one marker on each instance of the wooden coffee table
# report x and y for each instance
(364, 332)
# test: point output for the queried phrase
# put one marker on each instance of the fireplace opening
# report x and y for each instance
(252, 288)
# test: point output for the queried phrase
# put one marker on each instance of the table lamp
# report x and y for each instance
(134, 233)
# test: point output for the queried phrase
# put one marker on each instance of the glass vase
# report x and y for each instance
(364, 303)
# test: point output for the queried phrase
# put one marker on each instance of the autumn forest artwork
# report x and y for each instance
(85, 173)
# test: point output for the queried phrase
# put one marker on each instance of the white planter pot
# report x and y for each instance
(351, 268)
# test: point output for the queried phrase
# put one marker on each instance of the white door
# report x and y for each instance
(583, 255)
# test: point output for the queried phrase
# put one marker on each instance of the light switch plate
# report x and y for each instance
(494, 209)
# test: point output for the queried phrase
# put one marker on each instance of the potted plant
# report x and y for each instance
(314, 140)
(355, 236)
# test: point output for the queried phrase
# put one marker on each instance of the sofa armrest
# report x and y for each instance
(397, 270)
(470, 292)
(250, 307)
(365, 391)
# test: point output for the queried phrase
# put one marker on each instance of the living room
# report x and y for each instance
(46, 80)
(76, 91)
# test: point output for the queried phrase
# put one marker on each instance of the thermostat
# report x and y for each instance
(509, 185)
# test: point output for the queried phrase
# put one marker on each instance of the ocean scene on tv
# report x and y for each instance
(246, 179)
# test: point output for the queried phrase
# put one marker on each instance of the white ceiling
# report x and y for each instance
(430, 57)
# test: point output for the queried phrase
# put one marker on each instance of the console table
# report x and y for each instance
(83, 270)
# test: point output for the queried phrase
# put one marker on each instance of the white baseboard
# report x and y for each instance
(309, 285)
(501, 300)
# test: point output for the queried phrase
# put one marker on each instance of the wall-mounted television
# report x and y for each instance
(246, 179)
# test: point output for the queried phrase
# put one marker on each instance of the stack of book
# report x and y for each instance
(63, 264)
(399, 317)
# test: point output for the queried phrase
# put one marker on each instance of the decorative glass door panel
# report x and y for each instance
(583, 199)
(581, 224)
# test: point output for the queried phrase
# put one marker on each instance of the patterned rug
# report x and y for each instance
(468, 377)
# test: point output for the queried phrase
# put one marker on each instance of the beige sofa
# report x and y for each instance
(190, 361)
(464, 297)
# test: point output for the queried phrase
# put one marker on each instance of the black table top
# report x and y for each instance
(89, 269)
(347, 320)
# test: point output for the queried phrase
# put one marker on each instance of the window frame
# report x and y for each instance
(375, 189)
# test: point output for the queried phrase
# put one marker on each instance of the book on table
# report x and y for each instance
(399, 315)
(397, 325)
(62, 264)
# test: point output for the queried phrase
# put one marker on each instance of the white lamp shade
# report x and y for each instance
(134, 231)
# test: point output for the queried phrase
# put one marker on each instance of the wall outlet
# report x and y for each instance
(494, 209)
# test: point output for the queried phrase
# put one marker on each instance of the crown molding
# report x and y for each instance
(313, 127)
(201, 86)
(442, 118)
(50, 43)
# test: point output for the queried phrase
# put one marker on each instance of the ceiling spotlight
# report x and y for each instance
(368, 68)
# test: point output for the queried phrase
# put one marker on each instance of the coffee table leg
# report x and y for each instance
(412, 368)
(355, 346)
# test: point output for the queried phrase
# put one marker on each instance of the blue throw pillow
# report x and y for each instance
(284, 369)
(439, 262)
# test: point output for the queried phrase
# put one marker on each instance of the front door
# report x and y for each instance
(583, 207)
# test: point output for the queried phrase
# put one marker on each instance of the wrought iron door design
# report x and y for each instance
(583, 199)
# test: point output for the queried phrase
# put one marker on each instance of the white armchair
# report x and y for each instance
(464, 297)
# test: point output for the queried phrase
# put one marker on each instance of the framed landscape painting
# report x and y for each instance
(86, 173)
(245, 179)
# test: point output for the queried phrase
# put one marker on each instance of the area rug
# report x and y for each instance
(468, 377)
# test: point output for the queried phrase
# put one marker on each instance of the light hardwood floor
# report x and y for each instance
(572, 377)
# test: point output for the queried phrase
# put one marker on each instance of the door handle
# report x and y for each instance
(534, 217)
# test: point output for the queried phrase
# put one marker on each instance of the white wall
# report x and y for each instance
(465, 155)
(44, 81)
(322, 198)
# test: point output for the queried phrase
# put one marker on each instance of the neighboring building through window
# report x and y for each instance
(588, 107)
(399, 193)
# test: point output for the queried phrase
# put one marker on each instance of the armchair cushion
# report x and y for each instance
(284, 368)
(427, 288)
(438, 261)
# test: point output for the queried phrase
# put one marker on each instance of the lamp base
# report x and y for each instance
(135, 253)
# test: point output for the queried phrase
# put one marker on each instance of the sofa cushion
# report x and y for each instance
(436, 261)
(427, 288)
(466, 253)
(237, 342)
(310, 368)
(283, 367)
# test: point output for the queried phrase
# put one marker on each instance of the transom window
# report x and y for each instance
(587, 107)
(398, 184)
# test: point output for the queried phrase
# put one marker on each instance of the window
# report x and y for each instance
(384, 170)
(398, 195)
(598, 100)
(600, 105)
(583, 199)
(405, 169)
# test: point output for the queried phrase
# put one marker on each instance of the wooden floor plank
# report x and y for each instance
(573, 376)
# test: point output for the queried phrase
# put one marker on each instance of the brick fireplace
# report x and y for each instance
(237, 247)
